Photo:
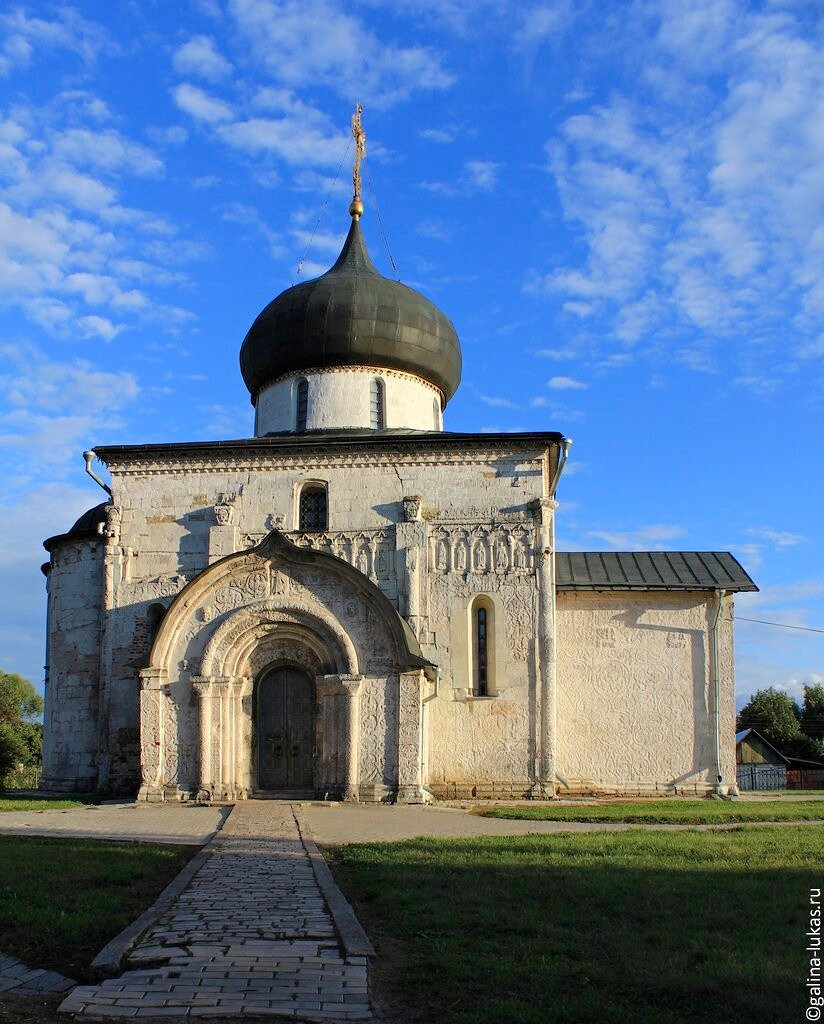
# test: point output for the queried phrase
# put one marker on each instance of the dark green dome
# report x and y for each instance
(352, 316)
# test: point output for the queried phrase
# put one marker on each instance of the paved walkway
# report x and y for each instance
(17, 979)
(252, 935)
(150, 823)
(373, 823)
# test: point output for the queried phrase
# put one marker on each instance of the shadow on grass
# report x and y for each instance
(62, 900)
(616, 928)
(680, 812)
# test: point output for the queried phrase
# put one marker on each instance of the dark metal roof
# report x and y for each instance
(352, 316)
(86, 527)
(650, 570)
(319, 442)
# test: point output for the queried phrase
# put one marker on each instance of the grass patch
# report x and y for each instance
(10, 802)
(676, 812)
(62, 900)
(698, 927)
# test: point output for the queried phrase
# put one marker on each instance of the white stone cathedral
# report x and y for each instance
(356, 604)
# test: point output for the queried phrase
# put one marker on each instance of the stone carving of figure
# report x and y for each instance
(479, 555)
(411, 508)
(502, 556)
(460, 555)
(442, 555)
(223, 514)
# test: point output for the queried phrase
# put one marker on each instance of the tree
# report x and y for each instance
(20, 735)
(774, 714)
(812, 714)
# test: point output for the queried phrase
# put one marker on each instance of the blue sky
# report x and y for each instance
(620, 206)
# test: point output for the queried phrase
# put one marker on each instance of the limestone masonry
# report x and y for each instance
(358, 605)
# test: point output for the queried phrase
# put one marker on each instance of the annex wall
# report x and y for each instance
(635, 701)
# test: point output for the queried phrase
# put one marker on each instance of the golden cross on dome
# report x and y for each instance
(359, 135)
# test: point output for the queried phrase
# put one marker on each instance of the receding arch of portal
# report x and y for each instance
(259, 568)
(228, 651)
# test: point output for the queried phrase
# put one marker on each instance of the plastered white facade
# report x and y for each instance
(593, 691)
(341, 397)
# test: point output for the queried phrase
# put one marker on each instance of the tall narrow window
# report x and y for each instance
(312, 516)
(302, 406)
(482, 653)
(436, 409)
(482, 624)
(377, 416)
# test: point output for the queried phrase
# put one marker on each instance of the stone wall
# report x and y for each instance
(71, 716)
(635, 702)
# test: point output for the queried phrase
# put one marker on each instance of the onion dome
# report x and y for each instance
(352, 316)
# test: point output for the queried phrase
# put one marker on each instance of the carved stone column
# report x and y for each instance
(203, 690)
(221, 739)
(237, 686)
(351, 690)
(410, 737)
(546, 695)
(151, 735)
(338, 765)
(411, 538)
(223, 535)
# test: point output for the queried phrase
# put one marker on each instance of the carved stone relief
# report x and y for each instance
(369, 551)
(482, 550)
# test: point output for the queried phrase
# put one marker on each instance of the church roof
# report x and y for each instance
(650, 570)
(86, 527)
(330, 440)
(352, 316)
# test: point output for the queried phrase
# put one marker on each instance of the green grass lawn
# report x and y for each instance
(684, 812)
(62, 900)
(623, 927)
(10, 802)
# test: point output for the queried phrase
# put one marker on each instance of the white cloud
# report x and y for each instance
(200, 57)
(701, 209)
(540, 23)
(192, 100)
(54, 409)
(98, 327)
(59, 198)
(316, 42)
(495, 401)
(22, 36)
(655, 537)
(288, 138)
(440, 135)
(105, 150)
(566, 384)
(781, 538)
(482, 174)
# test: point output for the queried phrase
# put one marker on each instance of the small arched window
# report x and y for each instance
(377, 404)
(483, 647)
(154, 616)
(302, 408)
(313, 510)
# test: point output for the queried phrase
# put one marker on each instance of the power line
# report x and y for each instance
(784, 625)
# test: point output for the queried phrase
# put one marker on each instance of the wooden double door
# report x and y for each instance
(285, 729)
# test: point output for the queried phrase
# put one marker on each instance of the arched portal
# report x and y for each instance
(284, 729)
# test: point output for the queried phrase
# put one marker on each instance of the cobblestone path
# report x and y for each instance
(19, 980)
(250, 936)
